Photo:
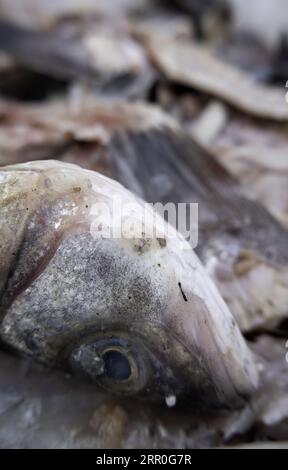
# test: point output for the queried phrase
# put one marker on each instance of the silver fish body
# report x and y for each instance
(137, 315)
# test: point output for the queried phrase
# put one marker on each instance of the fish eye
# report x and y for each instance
(115, 364)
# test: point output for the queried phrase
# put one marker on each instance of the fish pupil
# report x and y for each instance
(116, 366)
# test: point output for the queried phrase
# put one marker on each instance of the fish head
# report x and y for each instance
(86, 287)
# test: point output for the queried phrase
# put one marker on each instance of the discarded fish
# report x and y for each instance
(136, 315)
(43, 51)
(198, 67)
(108, 61)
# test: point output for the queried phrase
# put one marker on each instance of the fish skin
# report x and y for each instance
(60, 269)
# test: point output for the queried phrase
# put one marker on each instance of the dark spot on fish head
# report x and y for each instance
(162, 242)
(142, 245)
(182, 292)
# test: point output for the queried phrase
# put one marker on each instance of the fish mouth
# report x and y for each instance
(206, 350)
(230, 369)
